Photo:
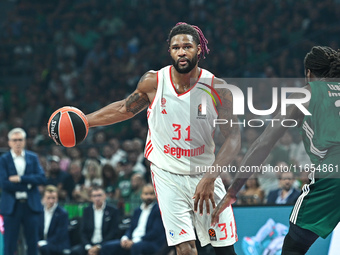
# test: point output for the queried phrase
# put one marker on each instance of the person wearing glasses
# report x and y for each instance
(286, 194)
(20, 176)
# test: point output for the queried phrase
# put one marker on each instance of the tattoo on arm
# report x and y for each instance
(136, 102)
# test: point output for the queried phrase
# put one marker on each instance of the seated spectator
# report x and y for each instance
(134, 200)
(110, 182)
(138, 167)
(125, 169)
(73, 183)
(99, 224)
(117, 153)
(93, 154)
(286, 194)
(75, 154)
(107, 154)
(252, 193)
(53, 230)
(65, 161)
(56, 177)
(146, 234)
(93, 173)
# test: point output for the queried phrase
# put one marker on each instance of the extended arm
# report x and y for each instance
(257, 153)
(129, 107)
(229, 149)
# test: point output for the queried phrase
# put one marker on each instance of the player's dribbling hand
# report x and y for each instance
(223, 204)
(204, 192)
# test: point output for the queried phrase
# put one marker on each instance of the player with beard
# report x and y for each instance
(180, 140)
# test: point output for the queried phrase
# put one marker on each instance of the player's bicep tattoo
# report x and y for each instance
(136, 102)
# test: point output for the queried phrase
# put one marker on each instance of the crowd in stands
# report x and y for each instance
(88, 53)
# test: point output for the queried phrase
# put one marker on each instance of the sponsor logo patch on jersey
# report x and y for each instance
(164, 112)
(163, 102)
(212, 234)
(172, 233)
(200, 115)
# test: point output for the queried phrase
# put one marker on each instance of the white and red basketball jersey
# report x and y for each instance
(180, 137)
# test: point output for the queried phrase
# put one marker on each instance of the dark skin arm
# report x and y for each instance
(129, 107)
(231, 146)
(257, 153)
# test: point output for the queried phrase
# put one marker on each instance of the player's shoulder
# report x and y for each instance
(219, 81)
(150, 76)
(148, 81)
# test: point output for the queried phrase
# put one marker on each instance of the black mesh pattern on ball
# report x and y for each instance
(79, 126)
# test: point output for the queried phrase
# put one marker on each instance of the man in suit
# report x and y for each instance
(53, 230)
(287, 194)
(146, 234)
(99, 224)
(20, 176)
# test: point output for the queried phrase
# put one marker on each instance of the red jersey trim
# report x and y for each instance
(212, 85)
(150, 106)
(187, 90)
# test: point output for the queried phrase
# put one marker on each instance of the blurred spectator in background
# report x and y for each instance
(125, 169)
(269, 180)
(134, 200)
(110, 184)
(286, 193)
(252, 194)
(33, 114)
(138, 146)
(93, 173)
(107, 153)
(117, 153)
(75, 154)
(65, 161)
(146, 233)
(56, 177)
(99, 224)
(53, 227)
(74, 183)
(138, 167)
(93, 154)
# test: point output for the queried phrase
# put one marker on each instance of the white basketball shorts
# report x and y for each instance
(174, 194)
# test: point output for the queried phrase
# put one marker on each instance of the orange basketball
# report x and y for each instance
(68, 126)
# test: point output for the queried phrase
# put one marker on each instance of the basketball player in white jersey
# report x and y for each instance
(180, 140)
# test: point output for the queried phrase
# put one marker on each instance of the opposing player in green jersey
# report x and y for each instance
(317, 210)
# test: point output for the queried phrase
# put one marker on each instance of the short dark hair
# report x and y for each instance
(323, 62)
(194, 31)
(96, 188)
